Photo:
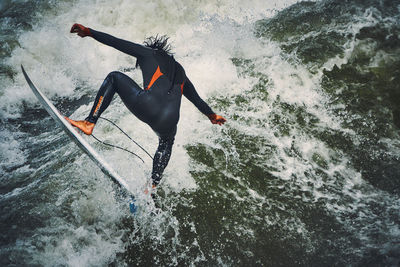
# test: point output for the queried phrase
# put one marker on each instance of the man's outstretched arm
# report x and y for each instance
(190, 93)
(124, 46)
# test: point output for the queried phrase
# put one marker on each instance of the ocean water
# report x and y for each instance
(305, 172)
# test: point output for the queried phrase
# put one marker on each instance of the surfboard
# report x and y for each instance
(78, 139)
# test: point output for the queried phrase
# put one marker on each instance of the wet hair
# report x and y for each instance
(159, 42)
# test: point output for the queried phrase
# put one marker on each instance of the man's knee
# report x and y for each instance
(114, 74)
(116, 79)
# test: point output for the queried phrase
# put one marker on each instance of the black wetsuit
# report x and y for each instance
(158, 104)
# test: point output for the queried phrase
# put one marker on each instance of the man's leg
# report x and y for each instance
(161, 158)
(115, 82)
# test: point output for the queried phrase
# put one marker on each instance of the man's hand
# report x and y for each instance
(216, 119)
(81, 30)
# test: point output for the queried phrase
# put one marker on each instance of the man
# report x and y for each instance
(158, 104)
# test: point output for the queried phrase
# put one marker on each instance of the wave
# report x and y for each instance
(305, 172)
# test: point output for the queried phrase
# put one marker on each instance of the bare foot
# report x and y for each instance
(147, 190)
(84, 126)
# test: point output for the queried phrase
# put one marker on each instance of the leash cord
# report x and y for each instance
(114, 146)
(107, 144)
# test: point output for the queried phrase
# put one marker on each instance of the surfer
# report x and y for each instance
(158, 104)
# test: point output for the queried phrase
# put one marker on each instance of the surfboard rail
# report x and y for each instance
(76, 137)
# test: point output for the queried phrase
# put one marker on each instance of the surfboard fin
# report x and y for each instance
(132, 206)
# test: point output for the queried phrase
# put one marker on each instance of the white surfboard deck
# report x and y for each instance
(75, 136)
